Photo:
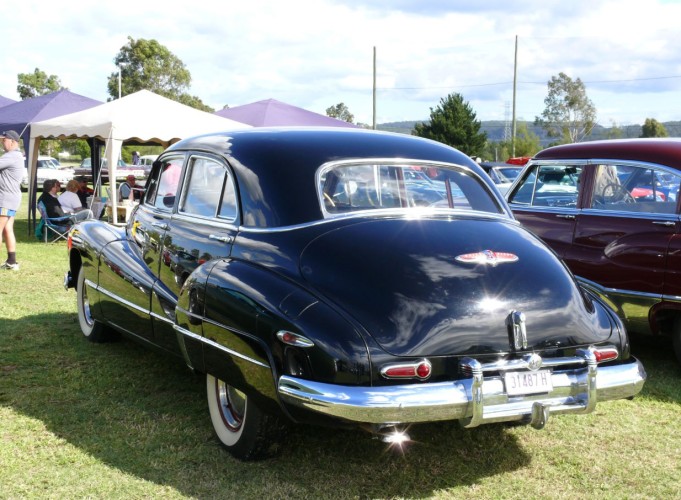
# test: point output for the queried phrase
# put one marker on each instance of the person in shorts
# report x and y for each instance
(11, 174)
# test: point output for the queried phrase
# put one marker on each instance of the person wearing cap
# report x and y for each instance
(11, 174)
(129, 190)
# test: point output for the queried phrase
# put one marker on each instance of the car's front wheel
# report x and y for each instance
(242, 428)
(93, 330)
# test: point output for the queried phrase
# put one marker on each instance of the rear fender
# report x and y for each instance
(242, 321)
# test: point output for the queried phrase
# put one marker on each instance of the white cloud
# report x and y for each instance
(317, 53)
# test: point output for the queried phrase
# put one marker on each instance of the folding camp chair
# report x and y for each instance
(51, 229)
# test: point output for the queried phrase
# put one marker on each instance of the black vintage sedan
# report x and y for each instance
(312, 280)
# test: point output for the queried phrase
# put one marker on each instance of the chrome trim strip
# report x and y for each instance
(164, 319)
(602, 161)
(406, 213)
(618, 291)
(400, 162)
(214, 221)
(119, 299)
(220, 347)
(473, 401)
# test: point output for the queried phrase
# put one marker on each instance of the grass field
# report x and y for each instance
(79, 420)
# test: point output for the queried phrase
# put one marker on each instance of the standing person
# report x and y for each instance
(11, 173)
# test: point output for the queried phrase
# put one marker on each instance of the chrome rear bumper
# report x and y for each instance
(473, 401)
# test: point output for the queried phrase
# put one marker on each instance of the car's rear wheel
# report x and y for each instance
(676, 338)
(242, 428)
(93, 330)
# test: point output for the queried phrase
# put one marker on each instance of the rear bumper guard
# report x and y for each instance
(473, 400)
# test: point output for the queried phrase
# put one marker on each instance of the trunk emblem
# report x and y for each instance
(488, 257)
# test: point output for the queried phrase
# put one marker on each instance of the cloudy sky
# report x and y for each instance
(317, 53)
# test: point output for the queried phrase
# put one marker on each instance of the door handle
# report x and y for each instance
(566, 216)
(667, 223)
(224, 239)
(160, 225)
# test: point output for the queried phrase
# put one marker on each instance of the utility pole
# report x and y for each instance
(374, 90)
(515, 79)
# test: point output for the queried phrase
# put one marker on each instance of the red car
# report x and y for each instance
(610, 210)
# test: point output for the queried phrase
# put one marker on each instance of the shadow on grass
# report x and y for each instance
(663, 369)
(144, 414)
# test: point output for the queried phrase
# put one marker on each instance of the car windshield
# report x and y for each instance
(508, 174)
(47, 164)
(353, 187)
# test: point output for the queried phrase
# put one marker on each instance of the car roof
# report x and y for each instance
(279, 164)
(664, 151)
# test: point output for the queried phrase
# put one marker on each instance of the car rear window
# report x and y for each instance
(352, 187)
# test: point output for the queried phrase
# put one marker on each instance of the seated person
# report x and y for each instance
(50, 200)
(83, 190)
(129, 190)
(54, 209)
(70, 202)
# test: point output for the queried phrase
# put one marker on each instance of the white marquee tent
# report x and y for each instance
(142, 117)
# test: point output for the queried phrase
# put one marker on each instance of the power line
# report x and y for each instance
(531, 83)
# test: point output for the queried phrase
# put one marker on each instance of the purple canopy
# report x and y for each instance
(273, 113)
(4, 101)
(19, 116)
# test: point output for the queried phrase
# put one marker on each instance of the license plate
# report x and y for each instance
(521, 383)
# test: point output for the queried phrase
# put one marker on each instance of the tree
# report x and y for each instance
(341, 112)
(194, 102)
(146, 64)
(527, 143)
(652, 128)
(454, 123)
(37, 83)
(569, 115)
(614, 132)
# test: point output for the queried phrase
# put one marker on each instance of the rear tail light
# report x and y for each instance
(604, 354)
(420, 370)
(294, 339)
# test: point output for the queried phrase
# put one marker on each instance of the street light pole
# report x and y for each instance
(120, 69)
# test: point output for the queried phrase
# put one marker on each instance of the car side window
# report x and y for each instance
(549, 186)
(635, 189)
(163, 184)
(203, 188)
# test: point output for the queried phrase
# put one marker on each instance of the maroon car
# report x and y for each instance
(610, 210)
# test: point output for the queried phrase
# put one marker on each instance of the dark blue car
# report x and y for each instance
(311, 280)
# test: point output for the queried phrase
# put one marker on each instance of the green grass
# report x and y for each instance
(79, 420)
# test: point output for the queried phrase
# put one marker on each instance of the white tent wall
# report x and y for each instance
(113, 152)
(142, 117)
(33, 149)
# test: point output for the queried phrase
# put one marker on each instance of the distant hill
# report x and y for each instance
(495, 130)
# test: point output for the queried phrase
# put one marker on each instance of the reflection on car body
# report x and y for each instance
(314, 276)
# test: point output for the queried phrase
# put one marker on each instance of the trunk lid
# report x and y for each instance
(416, 287)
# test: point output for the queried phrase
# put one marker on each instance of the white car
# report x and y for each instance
(146, 161)
(48, 168)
